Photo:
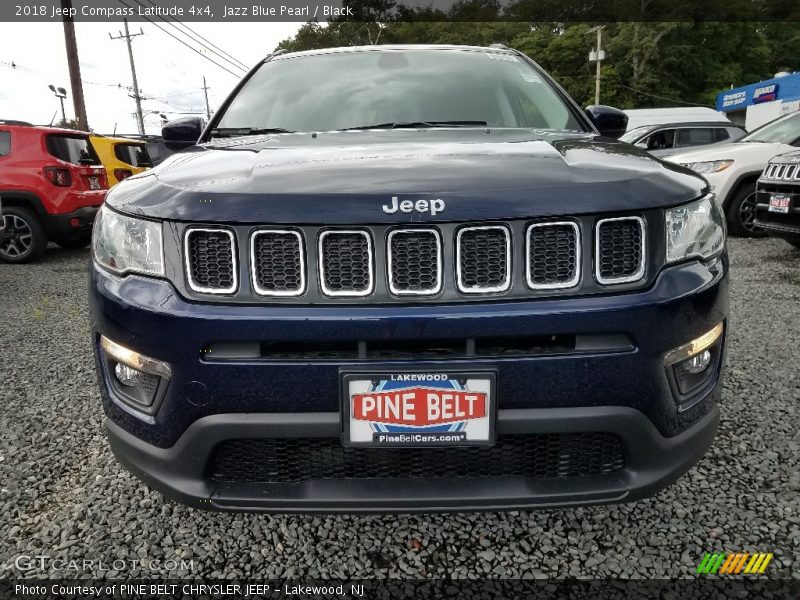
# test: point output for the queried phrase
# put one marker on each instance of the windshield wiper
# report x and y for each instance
(418, 125)
(221, 132)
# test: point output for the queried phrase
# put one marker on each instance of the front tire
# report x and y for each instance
(25, 239)
(741, 212)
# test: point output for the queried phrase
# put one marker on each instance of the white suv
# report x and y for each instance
(733, 169)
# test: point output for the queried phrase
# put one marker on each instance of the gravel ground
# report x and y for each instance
(63, 495)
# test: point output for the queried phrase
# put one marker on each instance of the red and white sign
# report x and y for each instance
(418, 409)
(779, 203)
(419, 406)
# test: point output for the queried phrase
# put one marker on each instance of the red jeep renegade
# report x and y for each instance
(51, 185)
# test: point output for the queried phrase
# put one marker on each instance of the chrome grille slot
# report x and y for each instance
(210, 256)
(553, 253)
(782, 172)
(483, 259)
(414, 259)
(346, 263)
(619, 250)
(277, 262)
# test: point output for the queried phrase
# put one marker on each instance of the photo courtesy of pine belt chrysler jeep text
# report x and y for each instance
(405, 278)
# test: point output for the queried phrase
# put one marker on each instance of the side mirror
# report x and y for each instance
(182, 133)
(610, 122)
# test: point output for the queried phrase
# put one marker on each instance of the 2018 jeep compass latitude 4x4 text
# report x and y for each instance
(408, 278)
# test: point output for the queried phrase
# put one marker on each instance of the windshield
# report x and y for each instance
(345, 90)
(784, 130)
(635, 133)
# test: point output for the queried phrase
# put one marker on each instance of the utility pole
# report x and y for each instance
(597, 56)
(74, 66)
(128, 37)
(205, 90)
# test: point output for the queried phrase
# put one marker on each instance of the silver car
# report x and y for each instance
(671, 138)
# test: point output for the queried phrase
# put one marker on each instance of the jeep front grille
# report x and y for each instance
(211, 260)
(619, 252)
(441, 262)
(345, 263)
(277, 263)
(483, 259)
(554, 255)
(779, 172)
(414, 261)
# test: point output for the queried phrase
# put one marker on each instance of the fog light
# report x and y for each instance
(697, 364)
(128, 376)
(690, 365)
(137, 379)
(137, 361)
(695, 347)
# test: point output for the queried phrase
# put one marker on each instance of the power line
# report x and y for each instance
(203, 40)
(662, 97)
(181, 41)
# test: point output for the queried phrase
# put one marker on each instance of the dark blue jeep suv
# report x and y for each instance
(408, 278)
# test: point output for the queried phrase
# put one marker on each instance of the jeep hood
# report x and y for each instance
(346, 177)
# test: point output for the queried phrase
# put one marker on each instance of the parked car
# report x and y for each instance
(121, 157)
(456, 291)
(52, 184)
(733, 169)
(778, 198)
(671, 138)
(156, 149)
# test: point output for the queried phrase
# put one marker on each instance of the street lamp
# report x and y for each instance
(160, 114)
(60, 93)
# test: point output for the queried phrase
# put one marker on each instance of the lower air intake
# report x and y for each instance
(551, 455)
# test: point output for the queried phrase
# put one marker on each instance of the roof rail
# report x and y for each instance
(272, 55)
(15, 122)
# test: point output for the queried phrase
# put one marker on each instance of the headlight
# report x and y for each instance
(127, 245)
(714, 166)
(696, 229)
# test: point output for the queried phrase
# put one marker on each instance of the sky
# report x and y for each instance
(169, 74)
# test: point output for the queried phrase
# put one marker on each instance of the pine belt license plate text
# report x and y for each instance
(779, 203)
(418, 409)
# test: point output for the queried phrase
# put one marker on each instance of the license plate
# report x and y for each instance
(412, 408)
(94, 183)
(779, 203)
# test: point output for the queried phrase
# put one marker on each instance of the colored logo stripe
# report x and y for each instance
(734, 563)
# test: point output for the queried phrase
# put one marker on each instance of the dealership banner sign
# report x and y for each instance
(463, 589)
(419, 10)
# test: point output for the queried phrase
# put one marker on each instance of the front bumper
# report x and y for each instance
(179, 471)
(782, 225)
(618, 389)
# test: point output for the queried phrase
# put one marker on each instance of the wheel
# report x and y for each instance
(25, 239)
(75, 243)
(741, 212)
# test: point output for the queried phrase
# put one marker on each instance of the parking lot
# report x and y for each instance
(63, 494)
